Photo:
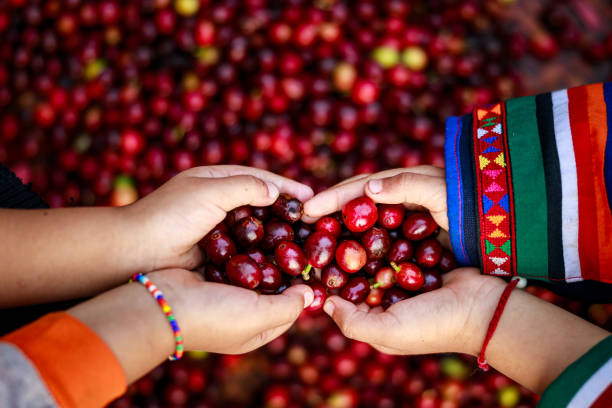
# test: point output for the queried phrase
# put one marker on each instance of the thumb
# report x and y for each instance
(412, 188)
(355, 323)
(277, 310)
(231, 192)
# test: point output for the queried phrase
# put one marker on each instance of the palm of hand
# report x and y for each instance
(182, 211)
(434, 322)
(227, 319)
(169, 219)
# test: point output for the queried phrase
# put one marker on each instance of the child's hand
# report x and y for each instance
(171, 220)
(450, 319)
(91, 249)
(211, 316)
(533, 343)
(227, 319)
(416, 187)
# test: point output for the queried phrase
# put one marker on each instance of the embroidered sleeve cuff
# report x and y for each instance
(78, 368)
(529, 186)
(585, 383)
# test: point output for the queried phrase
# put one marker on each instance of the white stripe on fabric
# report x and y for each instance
(593, 387)
(569, 185)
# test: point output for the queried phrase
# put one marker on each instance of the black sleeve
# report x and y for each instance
(15, 194)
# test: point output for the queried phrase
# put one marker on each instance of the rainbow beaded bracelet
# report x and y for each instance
(159, 296)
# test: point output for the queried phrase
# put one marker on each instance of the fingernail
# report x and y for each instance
(308, 206)
(375, 186)
(308, 298)
(272, 190)
(328, 307)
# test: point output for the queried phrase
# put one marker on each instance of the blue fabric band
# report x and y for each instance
(454, 188)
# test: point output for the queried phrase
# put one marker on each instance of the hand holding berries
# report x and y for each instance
(362, 264)
(175, 217)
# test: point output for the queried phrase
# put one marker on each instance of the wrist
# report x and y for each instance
(136, 249)
(485, 298)
(175, 285)
(142, 326)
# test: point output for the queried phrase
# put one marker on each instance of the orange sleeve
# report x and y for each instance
(77, 366)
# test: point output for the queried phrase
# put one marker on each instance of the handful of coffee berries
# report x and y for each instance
(377, 254)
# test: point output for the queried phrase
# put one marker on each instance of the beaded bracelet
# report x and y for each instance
(178, 336)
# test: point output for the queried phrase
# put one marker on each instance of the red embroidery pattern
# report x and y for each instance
(494, 189)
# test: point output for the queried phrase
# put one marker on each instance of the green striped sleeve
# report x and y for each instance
(584, 381)
(529, 188)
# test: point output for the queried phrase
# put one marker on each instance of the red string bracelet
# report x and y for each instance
(501, 305)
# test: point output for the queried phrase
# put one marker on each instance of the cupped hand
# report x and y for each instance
(227, 319)
(174, 218)
(421, 187)
(450, 319)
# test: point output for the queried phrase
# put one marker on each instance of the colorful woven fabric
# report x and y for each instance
(530, 182)
(529, 188)
(494, 190)
(607, 90)
(470, 218)
(454, 197)
(598, 132)
(587, 233)
(569, 186)
(552, 176)
(585, 383)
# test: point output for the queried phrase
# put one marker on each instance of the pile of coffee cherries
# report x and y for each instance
(103, 101)
(367, 253)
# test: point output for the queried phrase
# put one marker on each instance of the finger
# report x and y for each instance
(310, 220)
(192, 258)
(285, 185)
(377, 310)
(333, 199)
(277, 310)
(230, 192)
(458, 274)
(424, 190)
(363, 307)
(425, 170)
(264, 337)
(351, 179)
(386, 350)
(444, 238)
(355, 323)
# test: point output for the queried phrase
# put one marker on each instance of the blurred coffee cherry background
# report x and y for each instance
(102, 101)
